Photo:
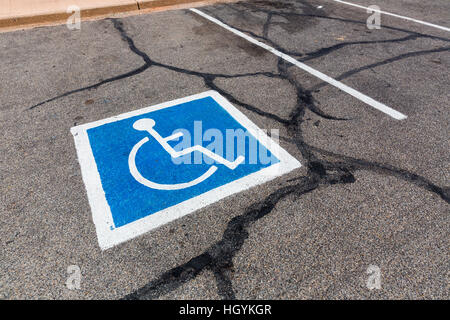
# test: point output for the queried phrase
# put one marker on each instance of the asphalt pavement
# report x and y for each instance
(372, 190)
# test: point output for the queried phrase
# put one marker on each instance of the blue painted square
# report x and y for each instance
(130, 200)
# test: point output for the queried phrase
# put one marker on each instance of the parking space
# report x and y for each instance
(372, 189)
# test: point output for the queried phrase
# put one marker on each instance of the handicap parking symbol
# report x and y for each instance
(145, 168)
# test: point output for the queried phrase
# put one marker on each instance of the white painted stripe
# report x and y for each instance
(395, 15)
(358, 95)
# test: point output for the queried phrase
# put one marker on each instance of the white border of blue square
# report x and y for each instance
(109, 236)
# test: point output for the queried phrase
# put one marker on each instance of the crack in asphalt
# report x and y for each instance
(314, 12)
(270, 14)
(218, 258)
(381, 63)
(318, 14)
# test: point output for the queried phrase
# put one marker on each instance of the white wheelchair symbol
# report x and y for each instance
(147, 125)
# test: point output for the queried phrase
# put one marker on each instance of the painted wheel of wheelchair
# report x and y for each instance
(178, 186)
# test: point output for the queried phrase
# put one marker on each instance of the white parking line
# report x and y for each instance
(395, 15)
(358, 95)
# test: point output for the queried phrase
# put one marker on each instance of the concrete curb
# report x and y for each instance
(24, 14)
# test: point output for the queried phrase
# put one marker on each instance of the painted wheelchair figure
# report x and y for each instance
(148, 125)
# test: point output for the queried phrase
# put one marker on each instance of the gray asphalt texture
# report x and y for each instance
(371, 190)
